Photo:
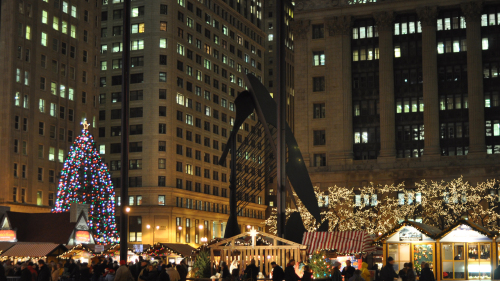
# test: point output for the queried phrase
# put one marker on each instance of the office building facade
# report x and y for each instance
(188, 60)
(395, 91)
(49, 57)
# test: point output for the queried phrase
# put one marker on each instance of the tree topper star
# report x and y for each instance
(85, 124)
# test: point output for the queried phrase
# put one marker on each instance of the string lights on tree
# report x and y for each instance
(378, 208)
(85, 180)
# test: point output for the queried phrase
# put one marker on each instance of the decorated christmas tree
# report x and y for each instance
(319, 265)
(85, 180)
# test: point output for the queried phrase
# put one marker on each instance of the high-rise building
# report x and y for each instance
(188, 60)
(49, 52)
(395, 91)
(271, 71)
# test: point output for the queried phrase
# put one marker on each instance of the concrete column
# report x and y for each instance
(427, 17)
(339, 72)
(384, 21)
(477, 144)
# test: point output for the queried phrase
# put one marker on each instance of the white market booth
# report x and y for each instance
(467, 252)
(411, 242)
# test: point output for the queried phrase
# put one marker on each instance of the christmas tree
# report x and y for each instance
(319, 265)
(85, 179)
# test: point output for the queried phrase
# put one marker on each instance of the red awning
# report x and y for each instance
(343, 242)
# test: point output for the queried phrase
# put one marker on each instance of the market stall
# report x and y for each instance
(21, 252)
(172, 252)
(260, 246)
(340, 246)
(79, 252)
(410, 241)
(114, 253)
(466, 251)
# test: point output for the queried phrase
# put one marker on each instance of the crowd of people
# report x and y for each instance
(102, 270)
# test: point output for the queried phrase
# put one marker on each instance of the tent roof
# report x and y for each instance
(343, 242)
(428, 230)
(31, 250)
(481, 229)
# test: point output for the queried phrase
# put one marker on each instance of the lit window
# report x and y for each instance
(28, 32)
(45, 17)
(485, 43)
(44, 39)
(55, 23)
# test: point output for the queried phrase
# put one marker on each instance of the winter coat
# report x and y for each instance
(402, 274)
(55, 274)
(44, 274)
(182, 272)
(26, 275)
(163, 276)
(173, 274)
(149, 275)
(123, 274)
(387, 273)
(278, 273)
(365, 273)
(307, 276)
(336, 276)
(109, 277)
(410, 275)
(426, 275)
(348, 272)
(290, 274)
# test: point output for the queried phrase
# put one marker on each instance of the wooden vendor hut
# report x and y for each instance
(21, 252)
(79, 252)
(261, 246)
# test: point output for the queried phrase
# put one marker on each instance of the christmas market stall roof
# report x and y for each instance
(114, 251)
(33, 250)
(343, 242)
(79, 251)
(170, 249)
(461, 230)
(427, 230)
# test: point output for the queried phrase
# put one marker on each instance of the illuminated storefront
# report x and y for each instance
(466, 252)
(410, 242)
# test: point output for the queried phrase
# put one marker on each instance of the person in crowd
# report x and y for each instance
(356, 276)
(402, 272)
(143, 266)
(44, 272)
(278, 273)
(307, 274)
(377, 272)
(224, 271)
(365, 273)
(123, 273)
(410, 273)
(172, 273)
(426, 274)
(184, 266)
(110, 276)
(163, 273)
(182, 272)
(3, 276)
(9, 268)
(55, 273)
(348, 270)
(387, 273)
(85, 274)
(251, 271)
(496, 273)
(26, 274)
(235, 274)
(336, 275)
(151, 274)
(34, 273)
(290, 274)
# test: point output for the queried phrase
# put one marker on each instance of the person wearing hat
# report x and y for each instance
(336, 275)
(123, 273)
(387, 273)
(278, 273)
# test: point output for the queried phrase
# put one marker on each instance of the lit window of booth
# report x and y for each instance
(410, 242)
(466, 252)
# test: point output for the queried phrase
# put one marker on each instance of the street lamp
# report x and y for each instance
(148, 226)
(127, 209)
(200, 226)
(180, 227)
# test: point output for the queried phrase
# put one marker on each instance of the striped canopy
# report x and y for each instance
(343, 242)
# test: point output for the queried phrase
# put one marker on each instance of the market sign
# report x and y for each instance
(8, 236)
(409, 234)
(82, 236)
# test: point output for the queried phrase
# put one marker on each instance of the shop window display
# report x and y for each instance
(453, 260)
(478, 261)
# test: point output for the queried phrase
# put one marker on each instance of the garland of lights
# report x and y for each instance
(79, 247)
(85, 179)
(446, 202)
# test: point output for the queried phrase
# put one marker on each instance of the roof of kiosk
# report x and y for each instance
(410, 231)
(465, 231)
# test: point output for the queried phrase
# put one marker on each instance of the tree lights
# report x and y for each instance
(85, 179)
